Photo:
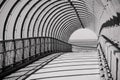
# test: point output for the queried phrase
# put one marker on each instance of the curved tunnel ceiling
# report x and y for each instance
(43, 18)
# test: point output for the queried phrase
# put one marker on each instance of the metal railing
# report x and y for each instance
(15, 54)
(109, 53)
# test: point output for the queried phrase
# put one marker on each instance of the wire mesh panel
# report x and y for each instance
(1, 54)
(46, 44)
(1, 59)
(42, 45)
(26, 48)
(20, 52)
(32, 47)
(38, 46)
(49, 45)
(9, 55)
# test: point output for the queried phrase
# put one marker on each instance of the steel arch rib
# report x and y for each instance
(8, 15)
(51, 13)
(38, 29)
(47, 26)
(26, 17)
(35, 20)
(74, 2)
(2, 3)
(55, 18)
(14, 27)
(60, 20)
(67, 26)
(66, 9)
(66, 32)
(56, 23)
(54, 15)
(42, 18)
(74, 23)
(66, 19)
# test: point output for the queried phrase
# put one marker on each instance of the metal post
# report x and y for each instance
(14, 60)
(29, 49)
(23, 51)
(4, 52)
(35, 46)
(77, 14)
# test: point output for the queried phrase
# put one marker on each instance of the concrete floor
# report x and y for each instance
(70, 66)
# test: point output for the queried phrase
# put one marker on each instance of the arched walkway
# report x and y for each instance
(31, 30)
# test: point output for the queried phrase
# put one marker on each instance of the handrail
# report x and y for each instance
(111, 42)
(104, 68)
(83, 46)
(17, 53)
(106, 57)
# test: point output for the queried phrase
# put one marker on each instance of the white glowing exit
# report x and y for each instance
(83, 34)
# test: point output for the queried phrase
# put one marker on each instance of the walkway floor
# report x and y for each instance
(82, 65)
(70, 66)
(30, 69)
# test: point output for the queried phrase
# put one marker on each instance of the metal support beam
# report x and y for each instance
(76, 13)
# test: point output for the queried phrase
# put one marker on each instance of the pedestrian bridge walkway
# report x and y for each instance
(35, 34)
(82, 65)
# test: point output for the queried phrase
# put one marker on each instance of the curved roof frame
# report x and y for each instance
(51, 30)
(7, 17)
(55, 6)
(43, 18)
(2, 3)
(34, 25)
(49, 4)
(15, 4)
(28, 30)
(18, 18)
(67, 26)
(57, 19)
(43, 27)
(56, 15)
(60, 22)
(64, 21)
(25, 18)
(68, 31)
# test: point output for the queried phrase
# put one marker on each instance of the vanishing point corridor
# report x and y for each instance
(35, 40)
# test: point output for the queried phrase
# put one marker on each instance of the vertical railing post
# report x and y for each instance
(40, 45)
(53, 45)
(44, 45)
(35, 46)
(4, 54)
(47, 45)
(29, 48)
(56, 45)
(23, 51)
(15, 52)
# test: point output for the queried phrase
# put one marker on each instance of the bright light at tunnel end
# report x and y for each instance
(83, 34)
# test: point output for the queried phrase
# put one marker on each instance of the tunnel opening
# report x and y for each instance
(83, 39)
